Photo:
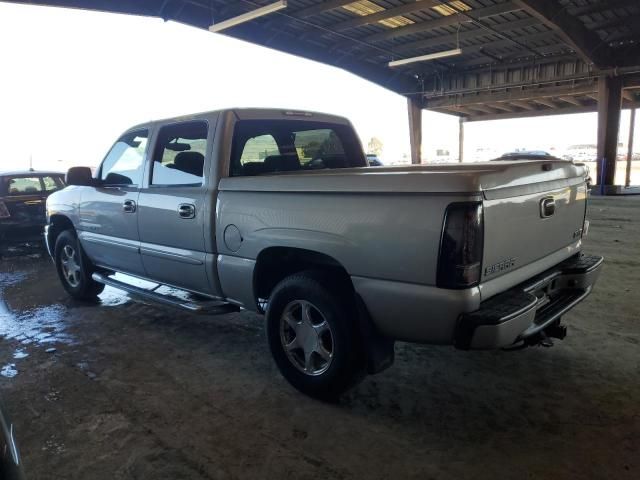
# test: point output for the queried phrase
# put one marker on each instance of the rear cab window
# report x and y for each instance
(274, 146)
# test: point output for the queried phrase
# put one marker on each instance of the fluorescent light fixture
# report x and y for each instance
(424, 58)
(246, 17)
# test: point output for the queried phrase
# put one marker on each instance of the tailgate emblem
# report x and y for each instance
(547, 207)
(500, 266)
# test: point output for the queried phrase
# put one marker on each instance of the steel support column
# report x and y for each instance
(632, 127)
(415, 130)
(609, 106)
(461, 140)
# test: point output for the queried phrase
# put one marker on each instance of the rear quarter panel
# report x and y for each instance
(377, 235)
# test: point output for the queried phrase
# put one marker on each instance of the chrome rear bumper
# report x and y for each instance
(529, 308)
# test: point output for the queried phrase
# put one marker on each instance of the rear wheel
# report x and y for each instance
(313, 337)
(74, 268)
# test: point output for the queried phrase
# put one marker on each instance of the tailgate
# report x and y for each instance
(530, 221)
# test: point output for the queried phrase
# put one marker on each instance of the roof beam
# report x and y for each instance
(462, 110)
(546, 103)
(522, 105)
(600, 7)
(571, 100)
(481, 65)
(499, 61)
(584, 42)
(482, 109)
(628, 95)
(614, 23)
(321, 8)
(537, 113)
(439, 40)
(449, 20)
(501, 106)
(385, 14)
(455, 111)
(511, 96)
(482, 48)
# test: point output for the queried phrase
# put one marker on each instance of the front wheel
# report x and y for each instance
(313, 337)
(74, 269)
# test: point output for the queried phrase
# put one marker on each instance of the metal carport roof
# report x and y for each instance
(519, 57)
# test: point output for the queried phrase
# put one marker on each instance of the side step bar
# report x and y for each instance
(208, 307)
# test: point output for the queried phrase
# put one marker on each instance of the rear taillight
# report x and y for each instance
(4, 211)
(460, 260)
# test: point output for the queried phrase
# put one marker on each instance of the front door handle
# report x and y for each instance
(129, 206)
(186, 210)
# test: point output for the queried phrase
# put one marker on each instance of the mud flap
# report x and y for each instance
(379, 350)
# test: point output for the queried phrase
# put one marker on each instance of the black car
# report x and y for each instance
(23, 195)
(373, 160)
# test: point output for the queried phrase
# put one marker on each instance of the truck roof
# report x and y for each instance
(255, 114)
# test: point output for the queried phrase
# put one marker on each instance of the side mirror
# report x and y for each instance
(80, 176)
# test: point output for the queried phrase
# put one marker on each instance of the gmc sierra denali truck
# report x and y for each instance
(278, 212)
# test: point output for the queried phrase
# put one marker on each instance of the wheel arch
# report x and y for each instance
(275, 263)
(58, 223)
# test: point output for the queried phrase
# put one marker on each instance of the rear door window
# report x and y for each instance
(179, 154)
(52, 183)
(24, 186)
(124, 163)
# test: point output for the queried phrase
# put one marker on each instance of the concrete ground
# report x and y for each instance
(137, 391)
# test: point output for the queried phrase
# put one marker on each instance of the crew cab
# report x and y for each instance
(277, 212)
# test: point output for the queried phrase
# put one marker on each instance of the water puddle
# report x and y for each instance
(33, 325)
(8, 279)
(20, 353)
(41, 325)
(9, 370)
(112, 297)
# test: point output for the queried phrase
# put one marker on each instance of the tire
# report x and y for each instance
(327, 364)
(74, 268)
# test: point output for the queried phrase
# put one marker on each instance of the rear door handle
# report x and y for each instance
(129, 206)
(186, 210)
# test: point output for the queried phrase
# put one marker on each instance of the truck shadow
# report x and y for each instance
(472, 394)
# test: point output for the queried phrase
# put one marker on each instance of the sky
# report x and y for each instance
(71, 81)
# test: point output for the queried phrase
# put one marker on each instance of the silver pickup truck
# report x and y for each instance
(278, 212)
